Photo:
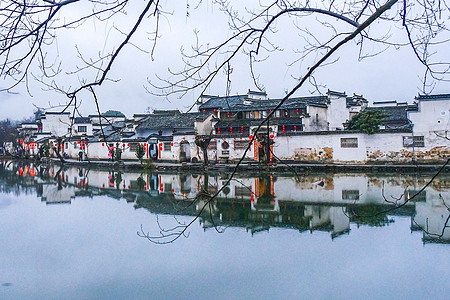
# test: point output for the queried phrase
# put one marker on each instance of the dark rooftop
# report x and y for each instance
(82, 120)
(394, 116)
(243, 103)
(168, 121)
(433, 97)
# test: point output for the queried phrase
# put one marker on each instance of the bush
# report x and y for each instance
(140, 152)
(368, 121)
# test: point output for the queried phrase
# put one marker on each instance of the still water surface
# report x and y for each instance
(72, 234)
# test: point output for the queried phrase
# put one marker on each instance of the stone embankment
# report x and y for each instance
(255, 167)
(252, 167)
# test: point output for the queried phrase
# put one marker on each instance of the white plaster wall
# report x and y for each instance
(77, 133)
(311, 124)
(56, 124)
(337, 112)
(313, 147)
(433, 115)
(205, 127)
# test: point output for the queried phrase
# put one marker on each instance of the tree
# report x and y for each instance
(203, 143)
(368, 121)
(140, 152)
(30, 31)
(8, 132)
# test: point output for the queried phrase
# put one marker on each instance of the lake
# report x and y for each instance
(78, 233)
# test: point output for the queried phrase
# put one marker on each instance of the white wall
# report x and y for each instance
(337, 112)
(56, 124)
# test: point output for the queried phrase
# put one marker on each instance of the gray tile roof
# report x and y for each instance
(243, 103)
(82, 120)
(395, 116)
(433, 97)
(168, 121)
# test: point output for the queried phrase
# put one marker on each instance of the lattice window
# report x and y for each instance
(349, 142)
(416, 141)
(241, 144)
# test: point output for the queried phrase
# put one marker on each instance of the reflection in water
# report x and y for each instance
(326, 202)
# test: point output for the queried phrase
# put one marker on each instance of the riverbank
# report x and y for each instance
(255, 167)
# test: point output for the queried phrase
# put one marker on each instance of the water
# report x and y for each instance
(73, 234)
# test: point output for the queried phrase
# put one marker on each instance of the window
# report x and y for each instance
(350, 195)
(212, 145)
(349, 142)
(75, 145)
(242, 191)
(419, 141)
(167, 187)
(82, 128)
(167, 146)
(241, 144)
(133, 147)
(225, 145)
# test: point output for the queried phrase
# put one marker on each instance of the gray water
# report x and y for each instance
(73, 234)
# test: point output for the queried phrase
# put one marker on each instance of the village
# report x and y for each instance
(302, 129)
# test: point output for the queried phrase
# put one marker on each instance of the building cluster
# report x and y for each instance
(300, 129)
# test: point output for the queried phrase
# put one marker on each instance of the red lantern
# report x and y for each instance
(271, 136)
(250, 137)
(103, 144)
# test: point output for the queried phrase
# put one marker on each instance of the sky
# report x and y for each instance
(394, 74)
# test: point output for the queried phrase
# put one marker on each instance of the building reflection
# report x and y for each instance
(320, 202)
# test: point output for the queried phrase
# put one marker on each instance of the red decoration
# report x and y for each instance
(250, 136)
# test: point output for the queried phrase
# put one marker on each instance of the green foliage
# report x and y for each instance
(368, 121)
(140, 182)
(370, 214)
(140, 152)
(148, 164)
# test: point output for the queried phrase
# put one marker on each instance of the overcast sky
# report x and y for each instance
(395, 74)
